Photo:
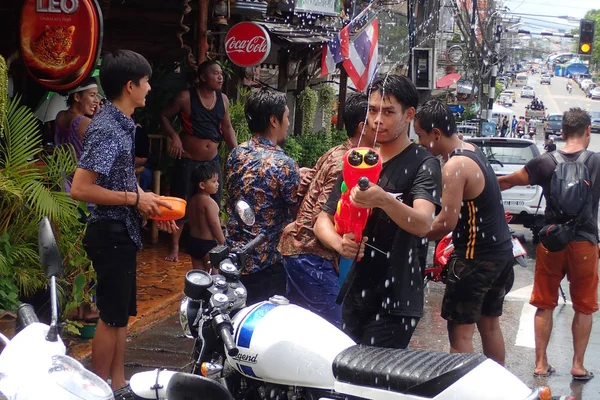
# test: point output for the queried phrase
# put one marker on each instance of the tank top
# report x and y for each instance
(482, 232)
(202, 122)
(70, 135)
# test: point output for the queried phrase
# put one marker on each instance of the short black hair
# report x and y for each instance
(86, 82)
(400, 87)
(436, 114)
(260, 106)
(204, 66)
(575, 122)
(203, 173)
(120, 67)
(355, 112)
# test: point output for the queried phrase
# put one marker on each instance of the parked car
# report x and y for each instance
(510, 93)
(507, 155)
(595, 116)
(554, 125)
(506, 100)
(589, 88)
(546, 79)
(585, 83)
(528, 91)
(595, 93)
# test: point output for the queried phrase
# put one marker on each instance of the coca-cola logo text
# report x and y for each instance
(247, 44)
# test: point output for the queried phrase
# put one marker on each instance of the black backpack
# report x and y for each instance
(570, 200)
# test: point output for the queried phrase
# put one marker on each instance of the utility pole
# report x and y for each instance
(495, 61)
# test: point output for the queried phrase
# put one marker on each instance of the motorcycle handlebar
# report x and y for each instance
(254, 243)
(26, 315)
(230, 346)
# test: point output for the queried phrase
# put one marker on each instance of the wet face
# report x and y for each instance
(387, 118)
(429, 140)
(368, 135)
(212, 78)
(88, 101)
(211, 186)
(139, 91)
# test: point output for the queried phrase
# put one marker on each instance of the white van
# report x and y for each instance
(521, 80)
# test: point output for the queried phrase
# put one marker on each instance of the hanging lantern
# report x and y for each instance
(221, 12)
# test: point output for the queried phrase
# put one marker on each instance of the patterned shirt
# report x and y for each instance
(109, 149)
(259, 172)
(299, 237)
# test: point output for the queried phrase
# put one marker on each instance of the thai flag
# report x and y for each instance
(336, 51)
(361, 64)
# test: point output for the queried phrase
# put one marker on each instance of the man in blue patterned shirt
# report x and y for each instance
(106, 177)
(260, 173)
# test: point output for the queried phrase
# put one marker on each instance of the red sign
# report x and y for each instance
(60, 41)
(247, 44)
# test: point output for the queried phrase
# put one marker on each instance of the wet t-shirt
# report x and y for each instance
(392, 275)
(540, 170)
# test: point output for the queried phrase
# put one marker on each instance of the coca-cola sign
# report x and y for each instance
(247, 44)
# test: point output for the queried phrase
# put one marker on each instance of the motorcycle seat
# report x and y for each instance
(417, 372)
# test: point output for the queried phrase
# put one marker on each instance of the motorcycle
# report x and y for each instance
(438, 272)
(34, 364)
(520, 131)
(274, 349)
(569, 88)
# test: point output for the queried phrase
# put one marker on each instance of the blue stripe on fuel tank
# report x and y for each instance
(249, 323)
(248, 371)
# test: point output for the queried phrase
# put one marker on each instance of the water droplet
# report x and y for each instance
(387, 283)
(363, 293)
(372, 253)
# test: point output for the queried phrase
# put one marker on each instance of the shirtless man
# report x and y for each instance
(205, 122)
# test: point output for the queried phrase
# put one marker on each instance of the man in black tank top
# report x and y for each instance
(480, 270)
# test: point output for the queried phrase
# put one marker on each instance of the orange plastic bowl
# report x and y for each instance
(176, 213)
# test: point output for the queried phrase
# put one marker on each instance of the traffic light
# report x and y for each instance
(586, 36)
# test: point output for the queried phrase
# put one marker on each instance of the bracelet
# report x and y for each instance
(137, 197)
(125, 198)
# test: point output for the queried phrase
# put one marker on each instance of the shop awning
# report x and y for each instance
(292, 34)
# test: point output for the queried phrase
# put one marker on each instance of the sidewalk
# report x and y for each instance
(159, 291)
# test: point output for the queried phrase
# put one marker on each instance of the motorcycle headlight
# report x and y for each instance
(183, 317)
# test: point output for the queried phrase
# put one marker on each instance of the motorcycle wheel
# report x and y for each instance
(521, 261)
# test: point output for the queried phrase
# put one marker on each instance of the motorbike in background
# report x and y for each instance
(34, 364)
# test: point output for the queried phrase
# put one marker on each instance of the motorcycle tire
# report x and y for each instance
(522, 261)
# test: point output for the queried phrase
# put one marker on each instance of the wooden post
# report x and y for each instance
(203, 34)
(282, 80)
(300, 86)
(342, 98)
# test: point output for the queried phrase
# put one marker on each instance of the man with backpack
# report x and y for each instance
(569, 243)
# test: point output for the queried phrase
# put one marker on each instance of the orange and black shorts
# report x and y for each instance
(579, 262)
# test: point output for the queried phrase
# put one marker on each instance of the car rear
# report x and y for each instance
(507, 155)
(554, 124)
(545, 79)
(595, 117)
(595, 93)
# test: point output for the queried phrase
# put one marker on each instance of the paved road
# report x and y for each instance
(165, 346)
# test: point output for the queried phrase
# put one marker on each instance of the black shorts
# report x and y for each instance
(476, 288)
(368, 323)
(113, 256)
(198, 248)
(181, 183)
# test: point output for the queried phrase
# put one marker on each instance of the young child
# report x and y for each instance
(203, 217)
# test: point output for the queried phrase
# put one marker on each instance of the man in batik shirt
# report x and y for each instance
(311, 268)
(259, 172)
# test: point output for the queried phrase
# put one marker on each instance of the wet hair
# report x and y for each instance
(260, 106)
(120, 67)
(400, 87)
(575, 122)
(86, 82)
(204, 66)
(355, 112)
(436, 114)
(203, 173)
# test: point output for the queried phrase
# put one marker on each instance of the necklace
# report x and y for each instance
(213, 102)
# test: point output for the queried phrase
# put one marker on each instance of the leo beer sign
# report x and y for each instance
(247, 44)
(60, 41)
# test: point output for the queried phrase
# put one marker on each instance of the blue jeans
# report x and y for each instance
(312, 283)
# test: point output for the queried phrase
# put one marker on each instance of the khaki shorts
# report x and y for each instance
(579, 261)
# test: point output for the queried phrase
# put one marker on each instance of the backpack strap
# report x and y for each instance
(583, 157)
(556, 157)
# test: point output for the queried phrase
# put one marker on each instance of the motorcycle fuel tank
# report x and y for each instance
(286, 344)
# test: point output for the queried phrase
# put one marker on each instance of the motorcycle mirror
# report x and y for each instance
(48, 250)
(244, 213)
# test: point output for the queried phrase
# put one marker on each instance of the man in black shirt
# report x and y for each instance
(384, 300)
(480, 271)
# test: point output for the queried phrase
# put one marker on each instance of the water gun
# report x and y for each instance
(361, 166)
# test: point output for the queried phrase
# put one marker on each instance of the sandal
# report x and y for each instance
(547, 374)
(585, 377)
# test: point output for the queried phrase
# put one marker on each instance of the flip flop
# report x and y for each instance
(548, 373)
(586, 377)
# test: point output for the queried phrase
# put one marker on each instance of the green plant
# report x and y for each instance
(3, 88)
(326, 100)
(307, 100)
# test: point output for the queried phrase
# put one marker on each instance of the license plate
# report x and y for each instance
(513, 202)
(518, 249)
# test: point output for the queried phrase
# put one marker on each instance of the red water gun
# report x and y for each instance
(361, 166)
